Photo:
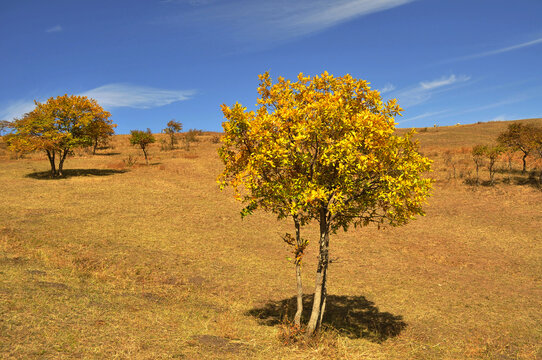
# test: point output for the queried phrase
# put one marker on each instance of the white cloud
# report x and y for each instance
(423, 116)
(134, 96)
(279, 20)
(112, 96)
(387, 88)
(422, 92)
(496, 104)
(443, 81)
(497, 51)
(16, 109)
(54, 29)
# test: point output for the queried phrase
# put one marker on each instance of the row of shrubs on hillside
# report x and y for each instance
(519, 140)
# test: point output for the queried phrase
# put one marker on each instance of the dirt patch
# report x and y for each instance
(153, 297)
(218, 344)
(197, 280)
(53, 285)
(172, 280)
(36, 272)
(17, 260)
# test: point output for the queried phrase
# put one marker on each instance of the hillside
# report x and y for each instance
(122, 260)
(466, 135)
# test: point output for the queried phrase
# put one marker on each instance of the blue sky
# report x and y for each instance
(149, 61)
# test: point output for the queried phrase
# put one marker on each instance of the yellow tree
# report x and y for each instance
(323, 148)
(56, 127)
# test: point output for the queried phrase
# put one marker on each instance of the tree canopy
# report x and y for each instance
(173, 127)
(100, 130)
(142, 139)
(4, 126)
(323, 148)
(56, 127)
(521, 137)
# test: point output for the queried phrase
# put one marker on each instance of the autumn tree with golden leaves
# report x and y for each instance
(57, 127)
(323, 148)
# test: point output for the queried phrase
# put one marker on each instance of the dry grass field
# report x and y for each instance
(154, 262)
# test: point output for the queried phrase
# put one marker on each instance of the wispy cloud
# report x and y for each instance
(422, 92)
(387, 88)
(497, 51)
(16, 109)
(423, 116)
(443, 81)
(496, 104)
(134, 96)
(500, 118)
(111, 96)
(56, 28)
(280, 19)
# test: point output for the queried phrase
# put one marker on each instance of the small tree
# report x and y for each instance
(478, 155)
(323, 148)
(56, 127)
(142, 139)
(520, 137)
(100, 130)
(450, 161)
(172, 129)
(508, 154)
(492, 153)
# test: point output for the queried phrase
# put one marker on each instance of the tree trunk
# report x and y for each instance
(509, 166)
(524, 163)
(145, 153)
(320, 293)
(299, 311)
(63, 154)
(95, 146)
(51, 156)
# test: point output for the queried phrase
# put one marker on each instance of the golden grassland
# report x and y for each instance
(152, 262)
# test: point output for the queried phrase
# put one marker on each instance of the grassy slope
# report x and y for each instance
(155, 262)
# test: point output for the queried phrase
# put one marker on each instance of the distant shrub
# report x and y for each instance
(191, 136)
(164, 145)
(450, 162)
(130, 160)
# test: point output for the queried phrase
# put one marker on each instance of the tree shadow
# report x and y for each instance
(111, 153)
(46, 175)
(354, 316)
(529, 179)
(514, 171)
